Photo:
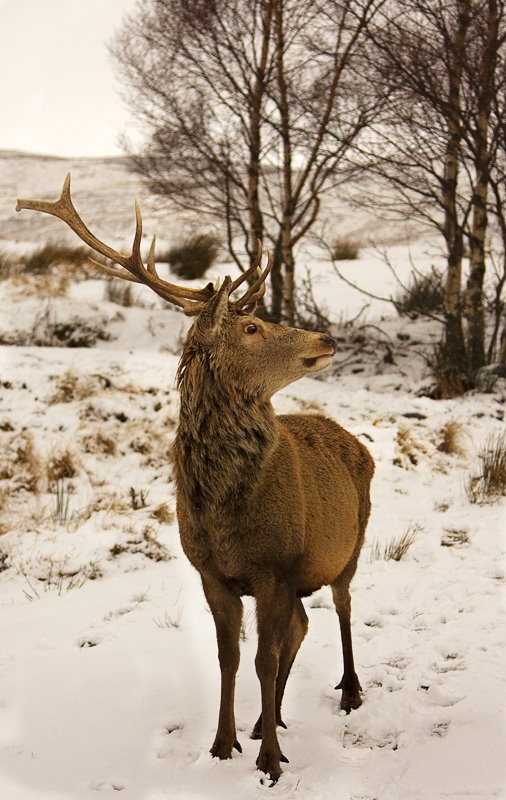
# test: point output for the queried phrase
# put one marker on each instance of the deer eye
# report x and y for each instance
(250, 328)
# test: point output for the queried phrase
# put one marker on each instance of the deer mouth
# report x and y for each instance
(318, 362)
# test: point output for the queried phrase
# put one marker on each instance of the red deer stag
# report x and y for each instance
(269, 506)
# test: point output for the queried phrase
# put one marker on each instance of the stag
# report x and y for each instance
(269, 506)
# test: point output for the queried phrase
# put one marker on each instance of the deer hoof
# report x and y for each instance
(222, 749)
(350, 701)
(270, 764)
(273, 777)
(350, 698)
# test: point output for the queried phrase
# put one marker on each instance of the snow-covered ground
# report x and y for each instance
(109, 679)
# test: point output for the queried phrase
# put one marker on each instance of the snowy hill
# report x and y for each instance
(109, 681)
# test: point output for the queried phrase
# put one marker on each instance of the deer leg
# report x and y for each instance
(296, 632)
(274, 611)
(349, 683)
(226, 608)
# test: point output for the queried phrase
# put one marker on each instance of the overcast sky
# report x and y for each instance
(58, 91)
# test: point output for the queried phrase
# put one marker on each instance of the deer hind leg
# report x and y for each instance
(275, 602)
(349, 683)
(226, 608)
(297, 630)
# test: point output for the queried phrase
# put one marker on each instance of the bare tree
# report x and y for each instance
(441, 62)
(250, 110)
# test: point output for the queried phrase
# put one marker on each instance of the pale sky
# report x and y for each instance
(58, 91)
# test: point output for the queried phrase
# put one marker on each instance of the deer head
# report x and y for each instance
(259, 357)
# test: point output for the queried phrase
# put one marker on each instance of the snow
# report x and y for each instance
(109, 680)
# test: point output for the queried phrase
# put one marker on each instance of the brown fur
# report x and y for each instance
(274, 507)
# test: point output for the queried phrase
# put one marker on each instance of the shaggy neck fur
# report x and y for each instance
(222, 438)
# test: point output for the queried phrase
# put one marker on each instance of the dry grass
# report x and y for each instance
(396, 548)
(21, 465)
(53, 254)
(450, 438)
(99, 443)
(70, 387)
(163, 514)
(8, 265)
(169, 621)
(490, 484)
(61, 464)
(141, 543)
(409, 448)
(47, 331)
(454, 537)
(47, 284)
(119, 292)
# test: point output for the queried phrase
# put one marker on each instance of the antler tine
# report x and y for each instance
(63, 209)
(249, 272)
(190, 300)
(257, 289)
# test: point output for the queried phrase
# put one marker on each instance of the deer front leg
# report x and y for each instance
(226, 608)
(275, 604)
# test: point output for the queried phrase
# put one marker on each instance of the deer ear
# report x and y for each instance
(209, 321)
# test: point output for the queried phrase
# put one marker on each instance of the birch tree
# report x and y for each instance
(250, 110)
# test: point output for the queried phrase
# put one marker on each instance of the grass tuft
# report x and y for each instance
(119, 292)
(169, 621)
(396, 548)
(490, 484)
(60, 465)
(450, 438)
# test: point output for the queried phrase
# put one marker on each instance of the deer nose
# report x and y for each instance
(328, 340)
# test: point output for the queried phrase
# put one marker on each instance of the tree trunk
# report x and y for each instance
(454, 345)
(481, 152)
(256, 225)
(276, 311)
(289, 310)
(289, 295)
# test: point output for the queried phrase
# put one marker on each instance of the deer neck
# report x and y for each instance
(223, 438)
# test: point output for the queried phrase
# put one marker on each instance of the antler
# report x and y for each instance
(192, 301)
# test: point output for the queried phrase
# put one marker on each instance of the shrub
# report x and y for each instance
(450, 378)
(192, 258)
(424, 296)
(345, 249)
(491, 483)
(52, 254)
(310, 315)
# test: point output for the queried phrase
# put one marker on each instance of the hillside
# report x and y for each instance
(109, 681)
